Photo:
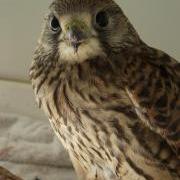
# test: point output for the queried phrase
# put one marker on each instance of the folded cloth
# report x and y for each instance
(29, 148)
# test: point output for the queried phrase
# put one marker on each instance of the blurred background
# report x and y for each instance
(27, 145)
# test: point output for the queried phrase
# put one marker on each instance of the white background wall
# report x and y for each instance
(157, 21)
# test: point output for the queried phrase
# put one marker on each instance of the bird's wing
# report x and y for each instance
(155, 94)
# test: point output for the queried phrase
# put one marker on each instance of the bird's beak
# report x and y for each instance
(77, 33)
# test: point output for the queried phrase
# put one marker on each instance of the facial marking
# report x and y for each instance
(65, 19)
(89, 46)
(86, 51)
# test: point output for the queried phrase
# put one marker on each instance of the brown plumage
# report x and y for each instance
(113, 101)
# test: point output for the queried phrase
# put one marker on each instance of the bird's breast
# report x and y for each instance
(99, 127)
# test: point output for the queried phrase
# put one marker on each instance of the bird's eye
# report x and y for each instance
(102, 19)
(54, 24)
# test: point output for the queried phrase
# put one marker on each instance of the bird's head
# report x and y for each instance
(77, 30)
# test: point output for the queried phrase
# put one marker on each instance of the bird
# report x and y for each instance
(112, 100)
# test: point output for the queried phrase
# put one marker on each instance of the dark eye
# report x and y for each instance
(54, 24)
(102, 19)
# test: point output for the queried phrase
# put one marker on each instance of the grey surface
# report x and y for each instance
(157, 21)
(20, 22)
(30, 149)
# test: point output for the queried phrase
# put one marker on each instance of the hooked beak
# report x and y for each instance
(77, 33)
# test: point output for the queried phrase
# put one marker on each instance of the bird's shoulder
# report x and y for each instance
(154, 89)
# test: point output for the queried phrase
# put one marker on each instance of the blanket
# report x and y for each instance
(29, 149)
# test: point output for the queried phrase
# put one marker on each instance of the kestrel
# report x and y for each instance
(113, 101)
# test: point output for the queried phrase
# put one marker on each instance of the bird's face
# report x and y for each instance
(77, 30)
(77, 39)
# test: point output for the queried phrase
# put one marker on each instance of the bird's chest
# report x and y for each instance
(93, 123)
(103, 155)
